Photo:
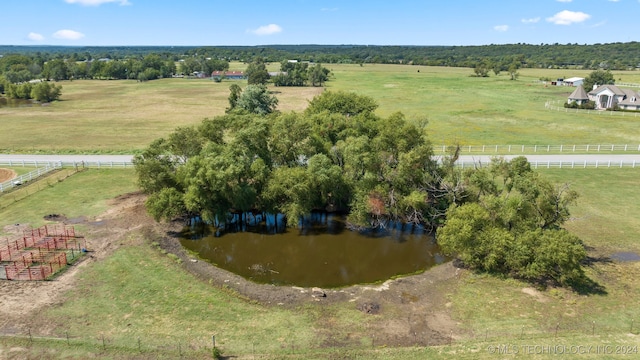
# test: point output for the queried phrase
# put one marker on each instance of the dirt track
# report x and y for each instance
(420, 298)
(7, 174)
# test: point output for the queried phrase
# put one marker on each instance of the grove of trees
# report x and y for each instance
(338, 155)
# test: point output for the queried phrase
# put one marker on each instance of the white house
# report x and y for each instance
(609, 96)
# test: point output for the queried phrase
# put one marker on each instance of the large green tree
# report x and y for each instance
(598, 77)
(255, 99)
(511, 223)
(46, 91)
(257, 73)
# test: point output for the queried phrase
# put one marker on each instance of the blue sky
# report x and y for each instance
(370, 22)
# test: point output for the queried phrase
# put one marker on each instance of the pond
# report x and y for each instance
(14, 103)
(322, 253)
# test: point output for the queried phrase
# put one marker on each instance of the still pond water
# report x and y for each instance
(321, 253)
(14, 103)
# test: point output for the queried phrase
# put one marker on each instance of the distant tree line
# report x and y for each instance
(613, 56)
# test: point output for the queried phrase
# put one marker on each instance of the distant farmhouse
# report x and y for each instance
(231, 75)
(607, 97)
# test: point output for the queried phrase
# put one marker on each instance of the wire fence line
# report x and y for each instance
(555, 105)
(39, 171)
(558, 338)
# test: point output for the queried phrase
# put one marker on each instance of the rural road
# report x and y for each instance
(578, 158)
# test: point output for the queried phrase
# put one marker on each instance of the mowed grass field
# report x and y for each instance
(485, 111)
(125, 116)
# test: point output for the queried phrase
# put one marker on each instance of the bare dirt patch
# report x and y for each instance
(7, 174)
(404, 312)
(537, 295)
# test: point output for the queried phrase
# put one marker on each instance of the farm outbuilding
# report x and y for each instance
(574, 81)
(231, 75)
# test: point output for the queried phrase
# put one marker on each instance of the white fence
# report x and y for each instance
(558, 105)
(562, 164)
(17, 181)
(535, 149)
(76, 164)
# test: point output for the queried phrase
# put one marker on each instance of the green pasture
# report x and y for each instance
(140, 303)
(84, 193)
(490, 111)
(97, 116)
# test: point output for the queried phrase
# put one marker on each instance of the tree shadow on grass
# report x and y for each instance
(586, 286)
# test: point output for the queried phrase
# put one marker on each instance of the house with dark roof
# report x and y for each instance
(611, 96)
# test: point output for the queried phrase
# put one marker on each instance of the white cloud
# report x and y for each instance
(501, 27)
(35, 36)
(97, 2)
(530, 21)
(614, 0)
(68, 35)
(266, 30)
(567, 17)
(565, 1)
